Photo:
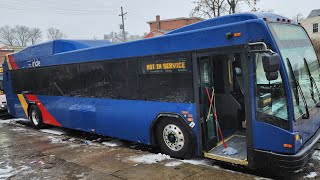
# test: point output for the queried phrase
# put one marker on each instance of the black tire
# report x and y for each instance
(35, 117)
(163, 130)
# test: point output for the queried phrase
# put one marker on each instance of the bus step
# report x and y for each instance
(237, 142)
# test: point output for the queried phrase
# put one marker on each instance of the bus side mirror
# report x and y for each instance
(271, 65)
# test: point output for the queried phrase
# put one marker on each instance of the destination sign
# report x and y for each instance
(1, 70)
(165, 65)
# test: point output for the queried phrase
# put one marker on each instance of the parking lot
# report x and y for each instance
(56, 153)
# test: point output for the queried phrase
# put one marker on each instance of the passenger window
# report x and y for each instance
(270, 98)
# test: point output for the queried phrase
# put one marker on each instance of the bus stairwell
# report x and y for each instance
(224, 133)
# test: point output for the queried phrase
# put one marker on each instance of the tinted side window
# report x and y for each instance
(166, 78)
(119, 79)
(64, 80)
(174, 87)
(109, 79)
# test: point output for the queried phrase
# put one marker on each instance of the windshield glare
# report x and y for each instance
(295, 45)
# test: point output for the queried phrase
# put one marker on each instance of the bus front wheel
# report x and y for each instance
(35, 117)
(173, 138)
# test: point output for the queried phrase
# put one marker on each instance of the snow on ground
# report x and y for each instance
(173, 163)
(8, 171)
(261, 178)
(18, 129)
(311, 175)
(55, 140)
(8, 121)
(150, 158)
(316, 155)
(54, 131)
(198, 162)
(113, 143)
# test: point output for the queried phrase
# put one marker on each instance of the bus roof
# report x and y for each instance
(67, 51)
(57, 46)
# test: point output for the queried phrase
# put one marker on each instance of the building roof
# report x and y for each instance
(314, 13)
(175, 19)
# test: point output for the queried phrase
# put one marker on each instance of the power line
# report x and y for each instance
(43, 8)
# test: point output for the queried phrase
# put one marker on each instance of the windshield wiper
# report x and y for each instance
(298, 87)
(312, 81)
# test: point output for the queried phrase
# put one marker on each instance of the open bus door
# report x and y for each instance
(220, 74)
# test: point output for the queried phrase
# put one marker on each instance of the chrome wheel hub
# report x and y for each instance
(173, 137)
(34, 117)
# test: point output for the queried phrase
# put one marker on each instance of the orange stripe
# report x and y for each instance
(23, 103)
(8, 62)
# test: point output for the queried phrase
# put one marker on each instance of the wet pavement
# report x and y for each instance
(56, 153)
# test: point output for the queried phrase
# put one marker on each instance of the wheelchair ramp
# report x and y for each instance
(237, 142)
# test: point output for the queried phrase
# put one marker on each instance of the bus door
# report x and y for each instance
(220, 77)
(206, 80)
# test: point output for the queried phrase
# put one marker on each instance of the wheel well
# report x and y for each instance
(160, 117)
(29, 105)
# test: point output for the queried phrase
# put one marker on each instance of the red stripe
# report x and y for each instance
(13, 63)
(46, 116)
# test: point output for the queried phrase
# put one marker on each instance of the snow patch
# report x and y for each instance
(316, 155)
(311, 175)
(18, 129)
(261, 178)
(9, 121)
(150, 158)
(6, 121)
(112, 143)
(55, 140)
(173, 164)
(198, 162)
(53, 131)
(9, 171)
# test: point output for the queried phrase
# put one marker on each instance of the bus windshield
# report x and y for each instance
(295, 46)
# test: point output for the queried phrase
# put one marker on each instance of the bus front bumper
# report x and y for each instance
(283, 162)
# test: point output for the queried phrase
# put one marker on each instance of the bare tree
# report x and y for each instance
(54, 33)
(35, 35)
(216, 8)
(7, 35)
(209, 8)
(22, 35)
(234, 5)
(115, 37)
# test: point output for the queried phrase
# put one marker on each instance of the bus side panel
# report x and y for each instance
(124, 119)
(15, 108)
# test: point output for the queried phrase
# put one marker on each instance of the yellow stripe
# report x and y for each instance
(8, 62)
(23, 103)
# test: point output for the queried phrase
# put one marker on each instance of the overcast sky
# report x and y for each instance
(84, 19)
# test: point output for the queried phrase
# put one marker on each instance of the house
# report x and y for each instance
(4, 50)
(312, 24)
(161, 27)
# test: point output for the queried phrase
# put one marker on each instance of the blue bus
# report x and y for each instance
(245, 81)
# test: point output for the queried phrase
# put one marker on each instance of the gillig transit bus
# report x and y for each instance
(260, 70)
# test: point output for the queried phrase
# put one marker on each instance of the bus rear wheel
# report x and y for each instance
(35, 117)
(174, 139)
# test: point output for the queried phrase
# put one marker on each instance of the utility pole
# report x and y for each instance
(122, 25)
